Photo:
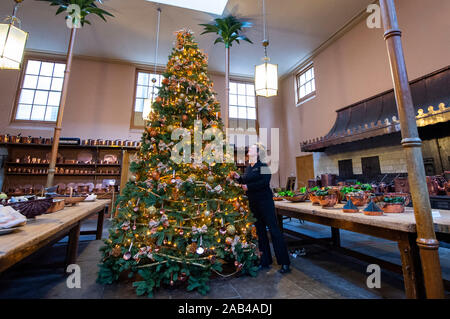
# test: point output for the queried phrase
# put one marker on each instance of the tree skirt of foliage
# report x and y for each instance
(178, 224)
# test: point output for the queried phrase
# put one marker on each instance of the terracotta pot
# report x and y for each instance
(314, 199)
(391, 208)
(328, 200)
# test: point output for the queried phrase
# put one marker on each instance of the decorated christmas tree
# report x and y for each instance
(182, 218)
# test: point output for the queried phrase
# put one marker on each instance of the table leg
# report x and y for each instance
(336, 237)
(100, 219)
(412, 270)
(72, 246)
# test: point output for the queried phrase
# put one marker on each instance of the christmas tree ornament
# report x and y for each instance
(231, 230)
(155, 175)
(127, 255)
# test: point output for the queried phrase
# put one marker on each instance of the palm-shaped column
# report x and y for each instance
(78, 11)
(229, 30)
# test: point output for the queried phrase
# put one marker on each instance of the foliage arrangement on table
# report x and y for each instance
(177, 224)
(294, 197)
(327, 197)
(393, 205)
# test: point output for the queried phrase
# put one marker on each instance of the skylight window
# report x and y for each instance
(208, 6)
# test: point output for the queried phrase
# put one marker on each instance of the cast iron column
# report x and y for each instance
(426, 238)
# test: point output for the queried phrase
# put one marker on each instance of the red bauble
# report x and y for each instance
(155, 175)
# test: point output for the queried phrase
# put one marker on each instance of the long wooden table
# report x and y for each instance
(396, 227)
(48, 229)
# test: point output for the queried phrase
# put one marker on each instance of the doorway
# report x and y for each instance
(305, 169)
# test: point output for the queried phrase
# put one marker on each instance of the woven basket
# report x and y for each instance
(32, 208)
(297, 198)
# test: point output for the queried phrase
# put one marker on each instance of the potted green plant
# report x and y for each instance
(229, 30)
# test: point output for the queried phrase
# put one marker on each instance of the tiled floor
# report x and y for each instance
(321, 273)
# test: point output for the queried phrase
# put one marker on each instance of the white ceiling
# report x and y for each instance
(295, 27)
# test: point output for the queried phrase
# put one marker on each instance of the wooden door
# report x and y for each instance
(305, 170)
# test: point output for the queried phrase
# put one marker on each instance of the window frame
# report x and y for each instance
(160, 72)
(242, 81)
(300, 100)
(22, 71)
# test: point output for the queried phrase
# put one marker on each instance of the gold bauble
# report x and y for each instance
(231, 230)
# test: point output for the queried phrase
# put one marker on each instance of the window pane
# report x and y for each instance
(41, 98)
(308, 88)
(250, 90)
(38, 112)
(51, 114)
(233, 99)
(312, 73)
(250, 101)
(33, 67)
(302, 91)
(23, 112)
(242, 100)
(251, 113)
(27, 96)
(54, 98)
(233, 112)
(139, 106)
(313, 85)
(308, 75)
(302, 79)
(30, 81)
(59, 70)
(233, 88)
(143, 78)
(57, 84)
(46, 69)
(142, 92)
(44, 83)
(242, 112)
(241, 89)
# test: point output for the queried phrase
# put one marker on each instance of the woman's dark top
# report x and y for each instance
(258, 184)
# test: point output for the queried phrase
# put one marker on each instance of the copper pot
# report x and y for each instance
(119, 142)
(314, 199)
(15, 139)
(108, 142)
(328, 200)
(37, 140)
(26, 140)
(83, 189)
(359, 200)
(4, 138)
(101, 142)
(393, 208)
(85, 142)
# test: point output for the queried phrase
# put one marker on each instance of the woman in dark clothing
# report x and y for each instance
(256, 183)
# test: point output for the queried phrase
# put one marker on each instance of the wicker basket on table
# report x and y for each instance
(32, 208)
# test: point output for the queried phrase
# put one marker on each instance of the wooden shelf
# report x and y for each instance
(62, 164)
(39, 174)
(112, 147)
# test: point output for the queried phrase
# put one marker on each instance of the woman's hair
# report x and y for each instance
(260, 150)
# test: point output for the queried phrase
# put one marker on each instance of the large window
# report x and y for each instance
(242, 111)
(145, 89)
(40, 91)
(305, 85)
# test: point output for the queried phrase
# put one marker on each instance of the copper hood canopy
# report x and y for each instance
(377, 115)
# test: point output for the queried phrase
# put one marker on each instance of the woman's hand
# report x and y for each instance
(235, 175)
(244, 187)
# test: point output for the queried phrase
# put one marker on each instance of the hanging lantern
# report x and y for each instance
(266, 74)
(12, 42)
(266, 77)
